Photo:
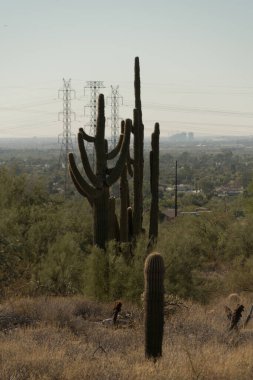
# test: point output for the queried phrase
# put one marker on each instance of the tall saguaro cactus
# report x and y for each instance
(154, 305)
(154, 184)
(97, 191)
(138, 161)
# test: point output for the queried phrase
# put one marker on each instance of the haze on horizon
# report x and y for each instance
(196, 62)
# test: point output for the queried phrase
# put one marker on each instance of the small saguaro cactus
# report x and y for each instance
(154, 184)
(154, 305)
(97, 191)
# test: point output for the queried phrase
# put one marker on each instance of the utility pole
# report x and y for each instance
(65, 138)
(115, 101)
(94, 90)
(176, 190)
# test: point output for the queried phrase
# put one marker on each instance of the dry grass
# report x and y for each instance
(62, 339)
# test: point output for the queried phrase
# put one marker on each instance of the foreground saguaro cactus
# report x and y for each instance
(154, 184)
(97, 192)
(154, 305)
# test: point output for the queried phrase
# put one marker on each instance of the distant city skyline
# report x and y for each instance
(196, 61)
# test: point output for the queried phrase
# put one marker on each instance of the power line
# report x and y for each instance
(185, 109)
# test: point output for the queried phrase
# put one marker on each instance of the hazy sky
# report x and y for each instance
(196, 62)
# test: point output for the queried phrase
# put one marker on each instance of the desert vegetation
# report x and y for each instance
(66, 260)
(63, 338)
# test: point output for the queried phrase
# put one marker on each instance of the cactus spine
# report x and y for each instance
(97, 192)
(153, 305)
(154, 184)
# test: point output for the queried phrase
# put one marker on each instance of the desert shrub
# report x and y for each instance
(126, 275)
(239, 277)
(11, 265)
(113, 275)
(96, 274)
(136, 277)
(39, 234)
(60, 272)
(119, 271)
(190, 246)
(238, 240)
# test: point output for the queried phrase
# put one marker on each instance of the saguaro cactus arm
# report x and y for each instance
(111, 155)
(78, 188)
(116, 171)
(96, 182)
(130, 162)
(90, 191)
(86, 137)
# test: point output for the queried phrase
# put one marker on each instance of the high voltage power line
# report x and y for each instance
(167, 107)
(36, 108)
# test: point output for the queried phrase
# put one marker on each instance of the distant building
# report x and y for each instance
(168, 214)
(183, 137)
(183, 188)
(224, 191)
(190, 136)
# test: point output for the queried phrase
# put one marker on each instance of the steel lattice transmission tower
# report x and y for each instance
(115, 100)
(94, 90)
(65, 138)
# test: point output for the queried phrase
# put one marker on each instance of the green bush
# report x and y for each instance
(239, 278)
(190, 247)
(60, 272)
(96, 274)
(237, 240)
